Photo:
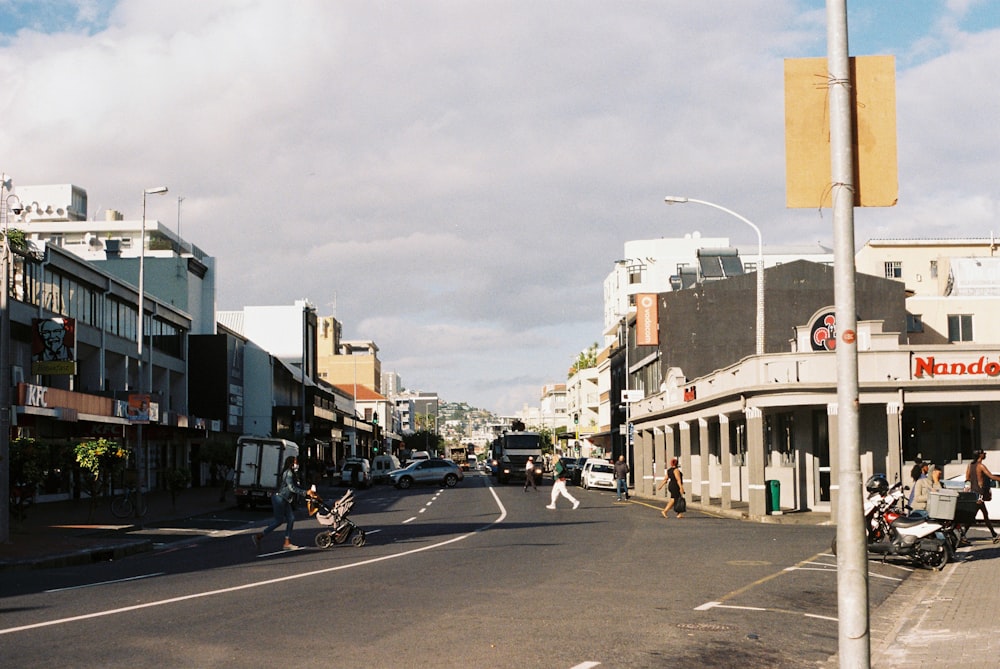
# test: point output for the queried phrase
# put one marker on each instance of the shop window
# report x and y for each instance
(940, 434)
(780, 437)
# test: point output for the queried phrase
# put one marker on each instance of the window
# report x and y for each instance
(749, 267)
(893, 269)
(914, 323)
(959, 327)
(934, 269)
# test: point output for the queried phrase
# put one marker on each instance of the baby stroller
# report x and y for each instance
(335, 517)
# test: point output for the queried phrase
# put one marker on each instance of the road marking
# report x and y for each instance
(119, 580)
(586, 665)
(271, 581)
(719, 605)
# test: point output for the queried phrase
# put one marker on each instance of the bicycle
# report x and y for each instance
(124, 505)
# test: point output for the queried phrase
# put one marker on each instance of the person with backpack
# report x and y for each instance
(559, 486)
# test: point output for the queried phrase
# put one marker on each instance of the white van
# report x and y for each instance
(420, 455)
(382, 465)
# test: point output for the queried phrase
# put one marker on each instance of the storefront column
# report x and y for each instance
(726, 458)
(833, 431)
(642, 460)
(705, 455)
(660, 438)
(756, 461)
(685, 458)
(894, 441)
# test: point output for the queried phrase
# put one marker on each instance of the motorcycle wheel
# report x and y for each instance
(936, 560)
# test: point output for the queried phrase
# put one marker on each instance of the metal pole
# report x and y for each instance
(852, 560)
(140, 456)
(5, 402)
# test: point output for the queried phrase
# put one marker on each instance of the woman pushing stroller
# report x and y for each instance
(283, 503)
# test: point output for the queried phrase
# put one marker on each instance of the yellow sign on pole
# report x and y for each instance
(807, 132)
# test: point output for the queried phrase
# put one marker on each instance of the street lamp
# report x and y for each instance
(5, 185)
(140, 460)
(671, 199)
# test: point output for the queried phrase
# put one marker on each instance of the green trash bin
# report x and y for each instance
(773, 490)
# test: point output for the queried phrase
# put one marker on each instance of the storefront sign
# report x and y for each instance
(823, 332)
(934, 367)
(646, 320)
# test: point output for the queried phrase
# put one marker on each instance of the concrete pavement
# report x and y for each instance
(943, 619)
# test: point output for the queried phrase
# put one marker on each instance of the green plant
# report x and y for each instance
(177, 480)
(101, 459)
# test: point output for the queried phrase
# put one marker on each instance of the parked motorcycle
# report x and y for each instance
(919, 538)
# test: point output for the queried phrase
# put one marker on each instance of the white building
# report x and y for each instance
(176, 272)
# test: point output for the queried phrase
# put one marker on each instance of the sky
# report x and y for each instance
(454, 180)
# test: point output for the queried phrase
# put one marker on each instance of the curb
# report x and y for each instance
(83, 556)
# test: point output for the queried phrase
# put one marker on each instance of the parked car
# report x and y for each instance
(434, 471)
(578, 470)
(357, 473)
(597, 474)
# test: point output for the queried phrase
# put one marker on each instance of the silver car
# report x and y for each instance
(434, 471)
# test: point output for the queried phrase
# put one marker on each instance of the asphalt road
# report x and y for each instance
(475, 576)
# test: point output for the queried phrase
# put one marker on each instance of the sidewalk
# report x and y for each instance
(59, 534)
(943, 619)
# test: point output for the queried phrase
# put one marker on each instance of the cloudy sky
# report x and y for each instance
(454, 179)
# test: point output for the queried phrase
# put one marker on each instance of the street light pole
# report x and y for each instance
(5, 402)
(140, 459)
(670, 199)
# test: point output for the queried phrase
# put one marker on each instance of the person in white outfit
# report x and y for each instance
(559, 487)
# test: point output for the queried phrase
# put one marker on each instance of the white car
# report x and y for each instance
(597, 474)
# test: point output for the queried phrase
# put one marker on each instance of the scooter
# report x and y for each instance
(918, 537)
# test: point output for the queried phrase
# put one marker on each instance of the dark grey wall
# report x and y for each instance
(713, 325)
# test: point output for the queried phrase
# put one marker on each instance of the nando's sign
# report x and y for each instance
(932, 367)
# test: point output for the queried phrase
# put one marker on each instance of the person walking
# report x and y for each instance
(529, 474)
(559, 486)
(976, 475)
(283, 503)
(674, 480)
(621, 476)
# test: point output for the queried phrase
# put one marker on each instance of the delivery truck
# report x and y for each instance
(257, 474)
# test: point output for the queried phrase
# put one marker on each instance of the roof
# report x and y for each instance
(363, 392)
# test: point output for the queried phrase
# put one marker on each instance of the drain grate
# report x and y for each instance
(706, 627)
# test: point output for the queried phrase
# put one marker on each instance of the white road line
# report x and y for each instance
(94, 585)
(586, 665)
(248, 586)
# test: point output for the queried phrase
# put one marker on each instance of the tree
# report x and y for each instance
(585, 360)
(101, 459)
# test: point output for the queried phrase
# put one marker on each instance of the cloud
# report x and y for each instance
(457, 178)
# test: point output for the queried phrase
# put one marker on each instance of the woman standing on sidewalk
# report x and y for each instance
(283, 503)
